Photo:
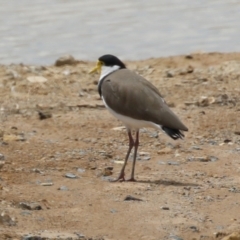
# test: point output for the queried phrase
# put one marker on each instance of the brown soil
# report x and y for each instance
(190, 189)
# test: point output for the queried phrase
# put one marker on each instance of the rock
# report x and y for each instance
(196, 148)
(37, 79)
(173, 163)
(203, 159)
(119, 128)
(169, 74)
(63, 188)
(2, 160)
(233, 236)
(165, 208)
(44, 115)
(205, 101)
(234, 190)
(175, 238)
(194, 228)
(46, 184)
(30, 206)
(189, 56)
(165, 150)
(70, 175)
(66, 60)
(13, 137)
(107, 171)
(131, 198)
(32, 237)
(81, 170)
(5, 219)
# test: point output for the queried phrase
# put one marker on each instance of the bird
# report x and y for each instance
(136, 102)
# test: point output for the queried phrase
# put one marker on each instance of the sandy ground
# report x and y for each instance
(54, 171)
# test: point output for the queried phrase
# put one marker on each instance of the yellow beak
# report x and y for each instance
(97, 68)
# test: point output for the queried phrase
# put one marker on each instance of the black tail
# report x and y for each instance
(173, 133)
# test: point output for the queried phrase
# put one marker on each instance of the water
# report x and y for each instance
(39, 31)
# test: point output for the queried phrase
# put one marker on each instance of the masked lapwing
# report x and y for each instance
(136, 102)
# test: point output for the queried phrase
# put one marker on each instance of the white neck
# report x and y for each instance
(105, 70)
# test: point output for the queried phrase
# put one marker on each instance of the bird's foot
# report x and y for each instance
(121, 178)
(132, 179)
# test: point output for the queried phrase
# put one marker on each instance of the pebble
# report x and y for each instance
(70, 175)
(107, 171)
(66, 60)
(81, 170)
(203, 159)
(5, 219)
(194, 229)
(131, 198)
(30, 206)
(2, 163)
(165, 150)
(44, 115)
(176, 238)
(119, 128)
(170, 74)
(30, 237)
(46, 184)
(63, 188)
(233, 236)
(165, 208)
(205, 101)
(196, 148)
(37, 79)
(113, 210)
(173, 163)
(2, 157)
(234, 190)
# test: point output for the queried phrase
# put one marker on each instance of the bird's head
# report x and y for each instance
(108, 63)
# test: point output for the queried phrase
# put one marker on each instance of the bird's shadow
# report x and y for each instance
(168, 183)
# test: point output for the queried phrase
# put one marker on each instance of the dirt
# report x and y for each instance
(56, 124)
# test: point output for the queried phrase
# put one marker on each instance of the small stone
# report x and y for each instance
(37, 79)
(172, 163)
(107, 171)
(169, 74)
(194, 229)
(44, 115)
(81, 170)
(131, 198)
(165, 208)
(46, 184)
(66, 60)
(196, 148)
(119, 128)
(203, 159)
(234, 190)
(119, 162)
(113, 211)
(206, 101)
(63, 188)
(233, 236)
(176, 238)
(30, 206)
(70, 175)
(165, 150)
(189, 56)
(5, 219)
(2, 157)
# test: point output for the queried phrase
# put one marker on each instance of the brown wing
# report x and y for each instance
(130, 94)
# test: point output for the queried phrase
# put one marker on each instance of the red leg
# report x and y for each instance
(136, 144)
(122, 174)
